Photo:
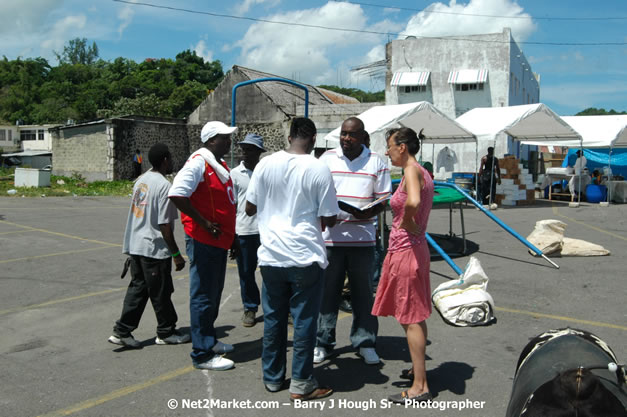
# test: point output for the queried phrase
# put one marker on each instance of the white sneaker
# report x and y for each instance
(369, 355)
(128, 341)
(175, 338)
(222, 348)
(217, 363)
(320, 354)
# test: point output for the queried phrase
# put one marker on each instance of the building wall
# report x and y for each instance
(131, 134)
(105, 150)
(84, 150)
(252, 106)
(496, 52)
(9, 138)
(38, 144)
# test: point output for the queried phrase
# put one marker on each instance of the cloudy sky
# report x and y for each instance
(578, 47)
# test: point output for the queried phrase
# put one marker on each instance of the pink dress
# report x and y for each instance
(404, 290)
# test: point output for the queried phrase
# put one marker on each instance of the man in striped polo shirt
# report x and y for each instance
(360, 177)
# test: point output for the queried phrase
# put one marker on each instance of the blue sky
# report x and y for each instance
(573, 77)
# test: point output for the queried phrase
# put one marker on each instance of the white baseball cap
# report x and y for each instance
(212, 129)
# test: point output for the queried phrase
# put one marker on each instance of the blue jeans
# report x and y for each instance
(295, 290)
(246, 265)
(207, 268)
(358, 263)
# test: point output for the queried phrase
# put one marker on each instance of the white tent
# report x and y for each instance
(530, 122)
(437, 126)
(595, 131)
(608, 131)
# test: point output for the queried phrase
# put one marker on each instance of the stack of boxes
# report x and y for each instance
(516, 188)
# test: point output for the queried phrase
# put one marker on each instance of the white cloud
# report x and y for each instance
(126, 17)
(307, 52)
(63, 30)
(202, 51)
(245, 5)
(25, 16)
(439, 19)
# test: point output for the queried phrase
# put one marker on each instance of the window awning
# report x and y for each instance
(468, 76)
(404, 79)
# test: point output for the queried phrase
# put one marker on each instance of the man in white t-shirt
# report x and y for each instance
(292, 194)
(149, 243)
(246, 230)
(360, 177)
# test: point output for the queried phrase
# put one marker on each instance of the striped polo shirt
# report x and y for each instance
(358, 182)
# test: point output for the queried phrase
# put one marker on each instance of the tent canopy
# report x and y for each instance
(438, 128)
(596, 131)
(529, 122)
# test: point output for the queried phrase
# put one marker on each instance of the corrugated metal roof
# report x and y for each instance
(287, 96)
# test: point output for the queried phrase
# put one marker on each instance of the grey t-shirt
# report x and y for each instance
(150, 207)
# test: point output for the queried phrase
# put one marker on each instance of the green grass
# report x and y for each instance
(64, 186)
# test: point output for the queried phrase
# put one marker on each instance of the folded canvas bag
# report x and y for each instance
(466, 301)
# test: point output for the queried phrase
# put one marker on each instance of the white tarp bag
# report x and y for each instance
(548, 236)
(466, 301)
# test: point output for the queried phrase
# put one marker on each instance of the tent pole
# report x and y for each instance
(497, 220)
(580, 172)
(492, 173)
(443, 254)
(609, 177)
(476, 168)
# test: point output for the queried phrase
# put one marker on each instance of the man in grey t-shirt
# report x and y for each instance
(149, 242)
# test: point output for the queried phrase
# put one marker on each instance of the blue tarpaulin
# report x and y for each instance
(598, 158)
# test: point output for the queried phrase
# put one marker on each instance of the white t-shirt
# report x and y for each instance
(150, 207)
(358, 182)
(580, 164)
(245, 225)
(291, 193)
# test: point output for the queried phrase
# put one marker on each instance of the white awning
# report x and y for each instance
(468, 76)
(404, 79)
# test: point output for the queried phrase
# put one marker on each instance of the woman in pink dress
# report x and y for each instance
(404, 290)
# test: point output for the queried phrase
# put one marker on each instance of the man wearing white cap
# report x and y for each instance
(247, 232)
(203, 192)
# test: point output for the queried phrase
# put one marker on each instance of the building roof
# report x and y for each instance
(27, 153)
(287, 96)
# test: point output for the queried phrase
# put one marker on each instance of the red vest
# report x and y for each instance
(215, 202)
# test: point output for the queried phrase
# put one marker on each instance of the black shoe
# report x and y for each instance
(345, 306)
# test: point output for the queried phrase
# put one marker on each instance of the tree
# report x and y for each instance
(77, 52)
(593, 111)
(362, 96)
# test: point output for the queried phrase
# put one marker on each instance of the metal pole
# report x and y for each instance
(443, 254)
(260, 80)
(498, 221)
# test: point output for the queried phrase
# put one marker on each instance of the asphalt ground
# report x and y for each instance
(60, 264)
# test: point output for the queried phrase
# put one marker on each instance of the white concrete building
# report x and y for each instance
(457, 74)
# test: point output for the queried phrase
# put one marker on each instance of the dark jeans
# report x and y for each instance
(137, 169)
(298, 291)
(246, 265)
(358, 263)
(150, 279)
(485, 189)
(207, 268)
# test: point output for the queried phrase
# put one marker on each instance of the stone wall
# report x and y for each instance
(274, 138)
(132, 134)
(105, 150)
